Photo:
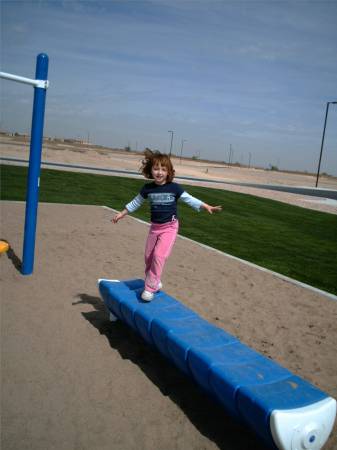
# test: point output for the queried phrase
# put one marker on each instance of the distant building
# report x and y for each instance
(74, 141)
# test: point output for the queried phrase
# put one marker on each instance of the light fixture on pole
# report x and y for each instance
(181, 151)
(322, 144)
(172, 132)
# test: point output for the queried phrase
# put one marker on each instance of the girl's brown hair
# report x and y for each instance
(151, 158)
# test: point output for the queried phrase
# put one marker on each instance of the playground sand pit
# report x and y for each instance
(73, 380)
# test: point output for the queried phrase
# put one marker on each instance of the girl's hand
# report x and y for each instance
(119, 216)
(211, 209)
(116, 218)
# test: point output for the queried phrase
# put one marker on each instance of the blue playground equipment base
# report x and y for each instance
(285, 411)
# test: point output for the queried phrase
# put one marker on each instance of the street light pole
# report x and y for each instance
(231, 154)
(170, 131)
(181, 151)
(322, 144)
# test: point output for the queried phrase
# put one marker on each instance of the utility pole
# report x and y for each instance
(181, 151)
(320, 155)
(172, 132)
(231, 153)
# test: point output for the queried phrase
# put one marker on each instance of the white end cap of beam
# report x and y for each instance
(106, 279)
(306, 428)
(112, 317)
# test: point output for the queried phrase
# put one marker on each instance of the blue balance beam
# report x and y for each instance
(287, 412)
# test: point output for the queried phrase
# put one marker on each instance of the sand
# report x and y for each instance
(73, 380)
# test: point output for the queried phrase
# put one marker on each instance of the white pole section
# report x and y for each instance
(44, 84)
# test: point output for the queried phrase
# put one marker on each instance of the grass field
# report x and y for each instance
(294, 241)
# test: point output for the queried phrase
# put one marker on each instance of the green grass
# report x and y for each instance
(296, 242)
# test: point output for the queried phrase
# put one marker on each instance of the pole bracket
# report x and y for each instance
(43, 84)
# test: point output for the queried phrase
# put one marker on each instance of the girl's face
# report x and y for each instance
(159, 173)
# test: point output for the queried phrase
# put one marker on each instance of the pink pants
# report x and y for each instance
(158, 248)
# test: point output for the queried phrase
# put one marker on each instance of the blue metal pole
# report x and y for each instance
(33, 181)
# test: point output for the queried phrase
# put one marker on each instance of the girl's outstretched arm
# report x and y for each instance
(198, 204)
(211, 209)
(129, 208)
(119, 215)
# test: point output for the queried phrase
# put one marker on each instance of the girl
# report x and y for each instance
(163, 195)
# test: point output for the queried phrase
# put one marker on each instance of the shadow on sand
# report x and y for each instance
(205, 414)
(16, 261)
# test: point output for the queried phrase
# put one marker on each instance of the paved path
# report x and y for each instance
(302, 190)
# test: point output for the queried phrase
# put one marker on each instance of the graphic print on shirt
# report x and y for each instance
(161, 198)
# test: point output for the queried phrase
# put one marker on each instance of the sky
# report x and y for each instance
(251, 76)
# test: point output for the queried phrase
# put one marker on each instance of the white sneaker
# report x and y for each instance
(147, 296)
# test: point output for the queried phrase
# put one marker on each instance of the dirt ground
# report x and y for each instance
(71, 380)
